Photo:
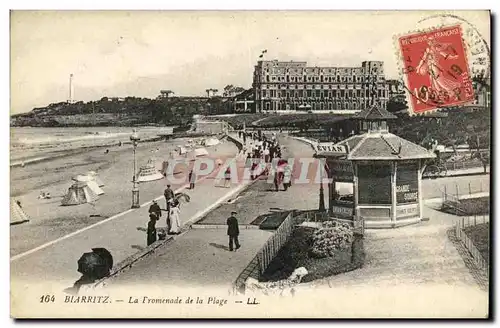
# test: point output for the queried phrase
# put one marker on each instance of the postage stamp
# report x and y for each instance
(436, 69)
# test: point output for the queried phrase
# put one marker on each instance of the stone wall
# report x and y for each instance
(211, 127)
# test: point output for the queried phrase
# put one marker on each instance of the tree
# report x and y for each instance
(228, 89)
(231, 90)
(166, 93)
(213, 91)
(396, 104)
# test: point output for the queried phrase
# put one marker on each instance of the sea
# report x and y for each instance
(30, 144)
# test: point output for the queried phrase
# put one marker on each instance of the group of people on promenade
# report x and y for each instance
(260, 149)
(173, 224)
(261, 146)
(264, 150)
(173, 221)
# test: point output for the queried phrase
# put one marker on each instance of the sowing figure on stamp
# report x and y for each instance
(431, 64)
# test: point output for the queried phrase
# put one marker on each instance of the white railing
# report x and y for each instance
(456, 193)
(462, 165)
(467, 242)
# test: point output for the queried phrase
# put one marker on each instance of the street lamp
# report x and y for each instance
(135, 189)
(321, 191)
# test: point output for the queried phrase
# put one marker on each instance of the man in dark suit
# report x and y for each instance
(192, 179)
(155, 209)
(169, 197)
(233, 231)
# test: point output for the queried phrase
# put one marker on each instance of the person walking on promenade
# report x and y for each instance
(192, 179)
(151, 231)
(227, 177)
(233, 231)
(266, 155)
(169, 197)
(175, 224)
(155, 209)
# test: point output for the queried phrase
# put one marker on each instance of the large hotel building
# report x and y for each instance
(293, 85)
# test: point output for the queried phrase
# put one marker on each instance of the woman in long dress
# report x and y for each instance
(431, 64)
(175, 224)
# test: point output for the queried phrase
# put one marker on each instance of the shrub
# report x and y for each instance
(331, 237)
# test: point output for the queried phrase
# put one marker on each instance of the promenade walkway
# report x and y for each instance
(51, 221)
(122, 235)
(200, 257)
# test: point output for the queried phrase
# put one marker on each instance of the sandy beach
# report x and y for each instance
(50, 220)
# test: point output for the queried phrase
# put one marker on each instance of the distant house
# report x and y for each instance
(116, 99)
(245, 102)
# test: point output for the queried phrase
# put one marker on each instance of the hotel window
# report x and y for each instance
(350, 93)
(330, 106)
(309, 93)
(301, 93)
(318, 93)
(342, 93)
(334, 93)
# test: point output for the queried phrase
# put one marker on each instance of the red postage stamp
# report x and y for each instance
(436, 69)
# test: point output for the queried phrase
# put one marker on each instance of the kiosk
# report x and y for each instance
(385, 172)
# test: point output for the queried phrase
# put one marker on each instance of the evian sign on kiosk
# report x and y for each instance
(330, 147)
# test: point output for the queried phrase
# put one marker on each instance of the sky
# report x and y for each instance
(139, 53)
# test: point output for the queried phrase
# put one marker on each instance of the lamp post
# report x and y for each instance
(135, 189)
(321, 191)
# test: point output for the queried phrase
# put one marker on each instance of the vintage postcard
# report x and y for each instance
(250, 164)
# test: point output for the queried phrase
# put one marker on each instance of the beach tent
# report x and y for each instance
(79, 193)
(96, 178)
(211, 142)
(91, 182)
(198, 152)
(164, 169)
(17, 214)
(182, 150)
(149, 172)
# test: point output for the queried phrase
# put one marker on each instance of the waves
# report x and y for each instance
(28, 144)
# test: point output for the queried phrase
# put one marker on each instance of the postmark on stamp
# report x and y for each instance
(435, 67)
